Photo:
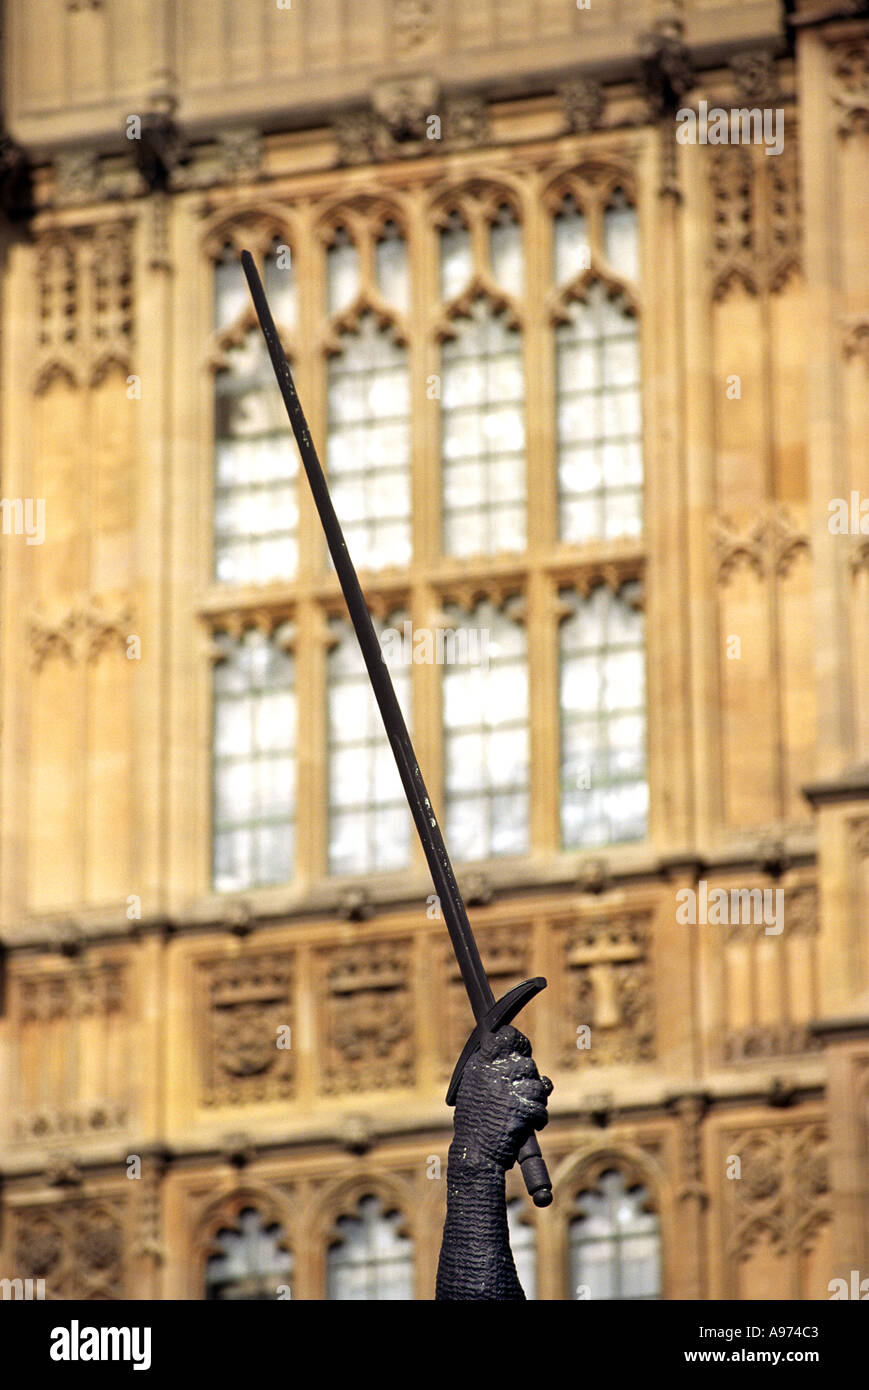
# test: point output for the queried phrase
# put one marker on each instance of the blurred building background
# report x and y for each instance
(586, 395)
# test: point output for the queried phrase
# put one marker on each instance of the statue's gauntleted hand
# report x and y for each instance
(501, 1098)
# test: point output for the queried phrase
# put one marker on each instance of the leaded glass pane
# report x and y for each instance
(231, 295)
(369, 822)
(604, 793)
(373, 1259)
(392, 269)
(572, 252)
(457, 262)
(505, 252)
(621, 244)
(279, 278)
(254, 719)
(256, 472)
(598, 420)
(342, 272)
(250, 1263)
(369, 445)
(483, 436)
(614, 1243)
(485, 714)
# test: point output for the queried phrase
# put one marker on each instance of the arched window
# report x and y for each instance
(614, 1240)
(249, 1260)
(485, 730)
(482, 387)
(256, 461)
(369, 821)
(368, 454)
(254, 714)
(604, 793)
(371, 1257)
(598, 409)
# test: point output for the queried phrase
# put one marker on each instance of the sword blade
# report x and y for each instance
(455, 915)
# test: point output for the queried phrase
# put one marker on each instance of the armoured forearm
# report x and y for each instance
(476, 1260)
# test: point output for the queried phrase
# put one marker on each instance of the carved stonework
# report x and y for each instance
(77, 176)
(757, 212)
(403, 107)
(769, 545)
(506, 956)
(802, 910)
(78, 1248)
(466, 122)
(666, 69)
(733, 213)
(239, 152)
(415, 24)
(60, 1009)
(800, 915)
(691, 1110)
(859, 557)
(666, 77)
(84, 287)
(859, 829)
(756, 78)
(81, 991)
(783, 214)
(83, 634)
(610, 991)
(851, 86)
(396, 124)
(248, 1000)
(159, 151)
(582, 100)
(356, 133)
(855, 339)
(148, 1229)
(783, 1190)
(16, 193)
(366, 1039)
(772, 1040)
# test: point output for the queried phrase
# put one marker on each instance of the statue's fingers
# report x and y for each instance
(507, 1040)
(523, 1067)
(530, 1088)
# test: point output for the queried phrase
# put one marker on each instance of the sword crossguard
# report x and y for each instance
(504, 1010)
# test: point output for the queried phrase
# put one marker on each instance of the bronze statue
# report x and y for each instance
(499, 1096)
(501, 1100)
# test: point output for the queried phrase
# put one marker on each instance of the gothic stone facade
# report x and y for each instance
(145, 1103)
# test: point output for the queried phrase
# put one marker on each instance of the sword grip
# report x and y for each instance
(535, 1172)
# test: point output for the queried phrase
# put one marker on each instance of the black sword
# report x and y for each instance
(489, 1014)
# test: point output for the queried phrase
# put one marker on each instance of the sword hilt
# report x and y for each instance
(531, 1161)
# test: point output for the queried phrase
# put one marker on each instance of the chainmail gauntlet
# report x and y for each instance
(501, 1099)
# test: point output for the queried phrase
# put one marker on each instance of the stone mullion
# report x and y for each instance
(427, 731)
(310, 653)
(312, 820)
(544, 715)
(671, 810)
(819, 170)
(779, 752)
(309, 371)
(175, 531)
(424, 714)
(705, 653)
(18, 440)
(540, 451)
(425, 370)
(305, 1037)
